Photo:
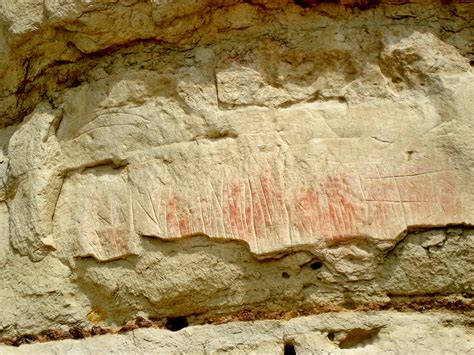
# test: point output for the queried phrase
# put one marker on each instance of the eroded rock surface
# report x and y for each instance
(199, 158)
(341, 333)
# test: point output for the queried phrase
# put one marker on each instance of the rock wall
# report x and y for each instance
(212, 161)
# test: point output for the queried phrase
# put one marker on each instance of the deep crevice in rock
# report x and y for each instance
(289, 349)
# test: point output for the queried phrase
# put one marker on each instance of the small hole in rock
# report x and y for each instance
(331, 336)
(316, 265)
(289, 349)
(77, 333)
(176, 323)
(396, 80)
(305, 3)
(285, 275)
(359, 338)
(349, 303)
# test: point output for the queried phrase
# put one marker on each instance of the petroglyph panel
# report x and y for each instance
(97, 219)
(146, 144)
(254, 204)
(262, 210)
(286, 155)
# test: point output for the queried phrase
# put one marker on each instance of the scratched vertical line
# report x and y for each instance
(190, 219)
(266, 202)
(97, 247)
(226, 200)
(290, 218)
(330, 217)
(160, 209)
(263, 208)
(219, 221)
(244, 208)
(114, 234)
(432, 198)
(112, 220)
(312, 210)
(207, 225)
(162, 203)
(236, 202)
(270, 205)
(332, 213)
(340, 215)
(287, 212)
(317, 209)
(401, 202)
(213, 209)
(364, 197)
(238, 224)
(441, 193)
(252, 214)
(146, 211)
(235, 210)
(349, 206)
(200, 212)
(131, 213)
(222, 203)
(155, 219)
(380, 180)
(166, 212)
(281, 210)
(176, 214)
(258, 203)
(241, 204)
(436, 194)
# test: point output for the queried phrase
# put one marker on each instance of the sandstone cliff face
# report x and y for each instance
(208, 159)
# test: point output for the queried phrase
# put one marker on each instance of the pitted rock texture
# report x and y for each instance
(199, 158)
(343, 333)
(282, 142)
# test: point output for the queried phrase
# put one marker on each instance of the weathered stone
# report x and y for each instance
(347, 332)
(200, 159)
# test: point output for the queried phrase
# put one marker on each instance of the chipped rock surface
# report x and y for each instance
(204, 158)
(343, 333)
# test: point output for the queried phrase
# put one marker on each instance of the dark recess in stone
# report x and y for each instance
(357, 338)
(289, 349)
(306, 3)
(176, 323)
(76, 333)
(349, 303)
(96, 330)
(331, 336)
(316, 265)
(25, 339)
(285, 275)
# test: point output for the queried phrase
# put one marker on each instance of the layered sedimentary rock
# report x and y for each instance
(329, 334)
(188, 158)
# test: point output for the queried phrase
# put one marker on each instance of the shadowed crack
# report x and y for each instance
(202, 278)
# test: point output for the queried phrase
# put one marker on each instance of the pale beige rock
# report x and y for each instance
(344, 333)
(203, 158)
(348, 168)
(4, 234)
(34, 164)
